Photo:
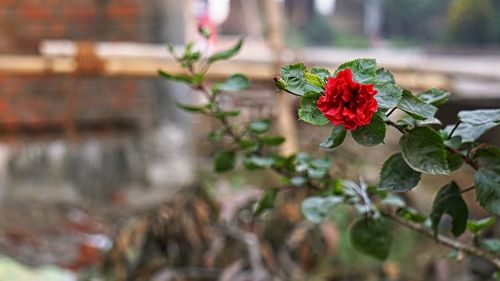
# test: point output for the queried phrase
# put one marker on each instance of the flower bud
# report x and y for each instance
(279, 82)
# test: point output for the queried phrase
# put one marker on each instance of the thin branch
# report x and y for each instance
(444, 240)
(453, 130)
(468, 189)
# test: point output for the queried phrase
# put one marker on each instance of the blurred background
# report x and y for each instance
(91, 142)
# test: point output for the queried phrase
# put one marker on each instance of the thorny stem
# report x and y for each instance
(441, 239)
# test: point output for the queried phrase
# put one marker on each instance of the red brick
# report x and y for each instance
(130, 10)
(82, 13)
(34, 11)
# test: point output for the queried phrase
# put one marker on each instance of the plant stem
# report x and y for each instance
(444, 240)
(453, 130)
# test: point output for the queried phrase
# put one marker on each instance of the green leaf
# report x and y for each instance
(271, 140)
(477, 225)
(231, 113)
(488, 157)
(480, 117)
(393, 200)
(492, 245)
(469, 132)
(267, 201)
(424, 151)
(260, 126)
(372, 237)
(487, 181)
(309, 112)
(364, 70)
(397, 176)
(179, 77)
(191, 108)
(314, 79)
(415, 107)
(434, 96)
(256, 162)
(385, 76)
(411, 215)
(321, 72)
(298, 181)
(336, 137)
(295, 80)
(388, 95)
(235, 82)
(454, 160)
(224, 161)
(226, 54)
(316, 208)
(449, 201)
(371, 134)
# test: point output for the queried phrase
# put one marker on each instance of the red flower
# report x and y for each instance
(347, 102)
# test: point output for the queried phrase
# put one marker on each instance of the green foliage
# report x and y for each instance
(371, 134)
(224, 161)
(336, 137)
(372, 237)
(260, 126)
(388, 95)
(295, 80)
(449, 201)
(179, 77)
(315, 209)
(267, 201)
(416, 107)
(487, 181)
(424, 151)
(480, 117)
(226, 54)
(364, 70)
(309, 112)
(434, 96)
(475, 226)
(235, 82)
(397, 176)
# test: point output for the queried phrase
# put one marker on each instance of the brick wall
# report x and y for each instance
(47, 104)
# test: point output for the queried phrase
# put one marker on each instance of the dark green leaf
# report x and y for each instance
(321, 72)
(236, 82)
(317, 208)
(179, 77)
(271, 140)
(372, 237)
(298, 181)
(224, 161)
(434, 96)
(295, 80)
(309, 112)
(469, 132)
(477, 225)
(480, 116)
(260, 126)
(424, 151)
(388, 95)
(397, 176)
(226, 54)
(492, 245)
(267, 201)
(454, 160)
(415, 107)
(487, 181)
(371, 134)
(221, 114)
(488, 157)
(449, 201)
(385, 76)
(364, 70)
(455, 142)
(336, 137)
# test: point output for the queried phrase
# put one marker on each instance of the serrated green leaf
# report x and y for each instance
(487, 181)
(260, 126)
(314, 79)
(449, 201)
(397, 176)
(295, 80)
(224, 161)
(235, 82)
(271, 140)
(321, 72)
(480, 117)
(372, 237)
(336, 137)
(371, 134)
(364, 70)
(434, 96)
(469, 132)
(267, 201)
(424, 151)
(309, 112)
(226, 54)
(385, 76)
(477, 225)
(454, 160)
(388, 95)
(415, 107)
(488, 157)
(176, 77)
(316, 208)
